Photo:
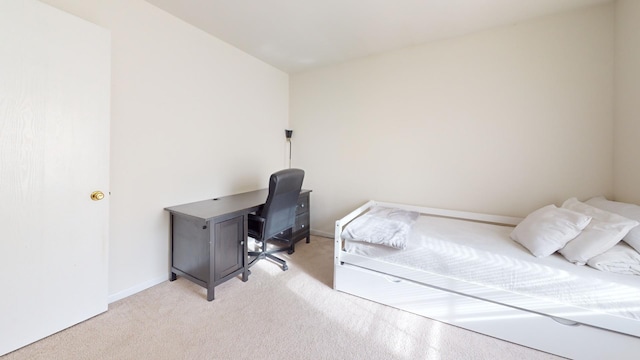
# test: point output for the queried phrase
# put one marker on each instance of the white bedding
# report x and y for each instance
(382, 225)
(484, 254)
(622, 259)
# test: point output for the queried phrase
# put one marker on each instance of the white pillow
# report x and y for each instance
(621, 259)
(630, 211)
(604, 231)
(383, 226)
(548, 229)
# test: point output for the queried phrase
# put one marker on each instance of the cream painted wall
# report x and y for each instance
(499, 121)
(627, 95)
(502, 121)
(192, 118)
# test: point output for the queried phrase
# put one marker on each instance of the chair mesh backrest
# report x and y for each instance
(280, 208)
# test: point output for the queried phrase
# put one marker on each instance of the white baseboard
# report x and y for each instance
(136, 289)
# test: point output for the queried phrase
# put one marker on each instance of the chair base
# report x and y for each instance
(260, 255)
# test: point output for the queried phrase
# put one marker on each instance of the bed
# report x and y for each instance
(463, 268)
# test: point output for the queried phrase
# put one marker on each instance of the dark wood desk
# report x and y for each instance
(209, 237)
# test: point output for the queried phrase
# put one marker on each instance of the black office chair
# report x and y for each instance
(277, 215)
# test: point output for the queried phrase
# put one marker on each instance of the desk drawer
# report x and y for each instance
(302, 223)
(303, 204)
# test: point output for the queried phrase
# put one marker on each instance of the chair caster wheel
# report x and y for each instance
(290, 252)
(285, 268)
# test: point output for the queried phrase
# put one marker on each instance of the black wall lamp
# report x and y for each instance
(288, 133)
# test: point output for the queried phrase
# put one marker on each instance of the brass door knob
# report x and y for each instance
(97, 195)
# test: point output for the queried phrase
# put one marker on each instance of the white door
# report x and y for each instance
(54, 146)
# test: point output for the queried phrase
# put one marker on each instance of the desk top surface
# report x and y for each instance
(216, 207)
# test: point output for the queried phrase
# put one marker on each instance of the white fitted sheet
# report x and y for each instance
(484, 254)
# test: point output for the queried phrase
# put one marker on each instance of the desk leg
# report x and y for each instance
(292, 248)
(245, 249)
(173, 275)
(212, 233)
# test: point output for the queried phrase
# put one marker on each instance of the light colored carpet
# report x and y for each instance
(275, 315)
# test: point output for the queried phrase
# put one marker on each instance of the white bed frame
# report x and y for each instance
(556, 328)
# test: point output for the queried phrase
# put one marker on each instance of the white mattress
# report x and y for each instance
(485, 254)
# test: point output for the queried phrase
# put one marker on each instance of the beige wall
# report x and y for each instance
(192, 118)
(627, 95)
(502, 121)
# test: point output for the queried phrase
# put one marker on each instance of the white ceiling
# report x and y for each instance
(296, 35)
